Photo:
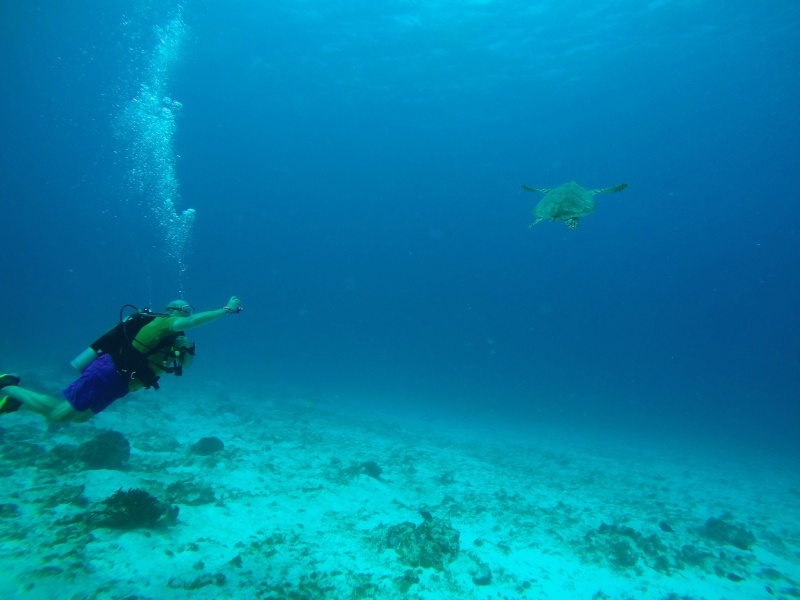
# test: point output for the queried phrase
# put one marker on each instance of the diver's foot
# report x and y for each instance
(9, 405)
(8, 379)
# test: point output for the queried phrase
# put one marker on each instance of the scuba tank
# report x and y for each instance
(84, 359)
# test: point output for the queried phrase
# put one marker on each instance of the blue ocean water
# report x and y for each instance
(355, 171)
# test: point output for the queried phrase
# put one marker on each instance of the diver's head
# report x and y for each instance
(179, 308)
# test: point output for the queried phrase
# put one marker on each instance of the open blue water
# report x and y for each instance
(355, 168)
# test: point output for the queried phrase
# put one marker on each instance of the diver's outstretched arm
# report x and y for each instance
(233, 306)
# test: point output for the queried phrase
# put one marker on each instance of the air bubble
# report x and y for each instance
(146, 128)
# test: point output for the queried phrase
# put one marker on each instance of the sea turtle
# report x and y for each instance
(568, 202)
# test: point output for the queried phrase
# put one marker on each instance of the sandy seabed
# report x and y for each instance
(294, 507)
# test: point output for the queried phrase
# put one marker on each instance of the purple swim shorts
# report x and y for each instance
(97, 387)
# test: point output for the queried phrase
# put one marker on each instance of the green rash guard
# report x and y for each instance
(148, 339)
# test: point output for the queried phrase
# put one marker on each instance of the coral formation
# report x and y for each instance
(372, 469)
(624, 547)
(107, 450)
(207, 446)
(725, 532)
(432, 545)
(130, 510)
(369, 468)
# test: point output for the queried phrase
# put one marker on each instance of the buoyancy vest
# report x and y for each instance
(130, 362)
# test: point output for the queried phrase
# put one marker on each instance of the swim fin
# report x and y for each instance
(7, 379)
(9, 405)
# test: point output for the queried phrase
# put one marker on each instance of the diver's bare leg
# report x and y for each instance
(50, 407)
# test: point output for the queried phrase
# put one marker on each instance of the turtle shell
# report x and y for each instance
(564, 203)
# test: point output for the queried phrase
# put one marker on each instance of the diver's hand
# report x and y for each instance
(234, 306)
(184, 343)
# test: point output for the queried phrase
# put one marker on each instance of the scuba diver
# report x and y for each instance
(131, 356)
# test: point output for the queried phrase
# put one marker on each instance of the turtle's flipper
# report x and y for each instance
(611, 190)
(572, 223)
(528, 188)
